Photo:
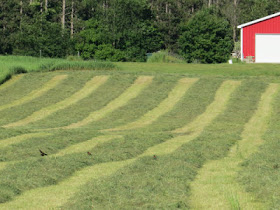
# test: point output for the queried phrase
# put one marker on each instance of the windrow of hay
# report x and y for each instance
(86, 145)
(89, 87)
(55, 196)
(216, 186)
(132, 92)
(165, 106)
(3, 165)
(12, 81)
(17, 139)
(195, 128)
(36, 93)
(215, 108)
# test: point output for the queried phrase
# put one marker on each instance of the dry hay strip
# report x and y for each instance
(12, 81)
(3, 165)
(194, 129)
(17, 139)
(88, 88)
(215, 108)
(130, 93)
(54, 196)
(216, 186)
(165, 106)
(86, 145)
(36, 93)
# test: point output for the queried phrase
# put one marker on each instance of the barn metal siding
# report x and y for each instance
(270, 26)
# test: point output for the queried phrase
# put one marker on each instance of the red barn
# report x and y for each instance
(261, 39)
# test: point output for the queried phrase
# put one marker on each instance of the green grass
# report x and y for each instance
(62, 91)
(234, 70)
(86, 90)
(206, 128)
(36, 93)
(165, 182)
(148, 99)
(164, 57)
(165, 106)
(115, 85)
(132, 92)
(260, 171)
(223, 191)
(11, 65)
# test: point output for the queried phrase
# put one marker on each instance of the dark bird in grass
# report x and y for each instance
(42, 153)
(155, 157)
(89, 153)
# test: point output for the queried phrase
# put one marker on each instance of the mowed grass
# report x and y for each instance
(234, 70)
(260, 173)
(217, 186)
(173, 124)
(61, 91)
(165, 182)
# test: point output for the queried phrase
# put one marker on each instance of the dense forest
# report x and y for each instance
(116, 30)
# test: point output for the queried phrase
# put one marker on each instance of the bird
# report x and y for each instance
(42, 153)
(89, 153)
(155, 157)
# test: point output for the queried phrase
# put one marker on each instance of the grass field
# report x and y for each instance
(141, 136)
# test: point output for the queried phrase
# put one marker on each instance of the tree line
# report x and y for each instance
(116, 30)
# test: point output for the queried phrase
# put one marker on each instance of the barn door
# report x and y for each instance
(267, 48)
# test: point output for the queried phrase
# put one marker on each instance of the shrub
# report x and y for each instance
(108, 52)
(207, 38)
(164, 57)
(18, 70)
(82, 65)
(73, 58)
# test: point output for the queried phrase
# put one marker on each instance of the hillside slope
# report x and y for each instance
(126, 141)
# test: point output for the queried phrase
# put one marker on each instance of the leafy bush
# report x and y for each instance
(107, 52)
(73, 58)
(5, 77)
(207, 38)
(79, 65)
(18, 70)
(41, 38)
(164, 57)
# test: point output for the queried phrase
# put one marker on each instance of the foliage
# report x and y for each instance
(74, 58)
(11, 65)
(257, 9)
(18, 70)
(81, 65)
(206, 38)
(41, 38)
(131, 28)
(164, 57)
(89, 39)
(108, 52)
(120, 36)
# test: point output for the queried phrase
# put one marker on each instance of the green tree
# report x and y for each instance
(41, 37)
(207, 38)
(124, 32)
(254, 9)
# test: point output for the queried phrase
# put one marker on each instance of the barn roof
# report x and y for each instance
(259, 20)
